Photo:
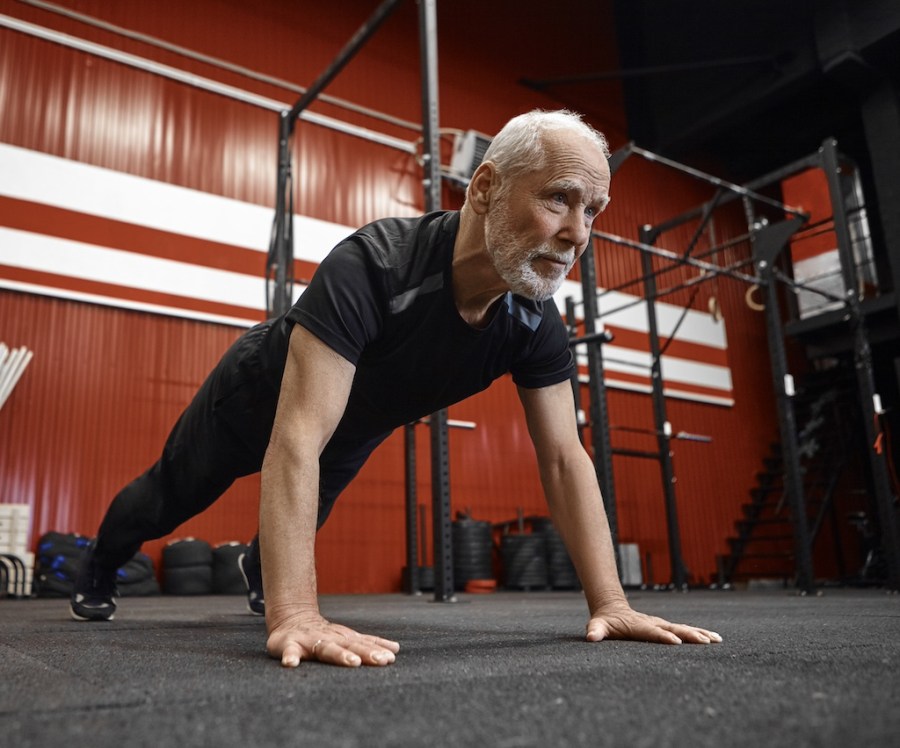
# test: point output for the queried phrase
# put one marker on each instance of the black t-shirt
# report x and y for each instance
(383, 299)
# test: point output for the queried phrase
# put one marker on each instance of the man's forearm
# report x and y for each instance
(288, 514)
(287, 527)
(580, 517)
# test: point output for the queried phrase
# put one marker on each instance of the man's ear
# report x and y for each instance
(482, 187)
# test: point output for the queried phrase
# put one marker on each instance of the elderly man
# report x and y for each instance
(403, 318)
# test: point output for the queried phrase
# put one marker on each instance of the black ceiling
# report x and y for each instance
(745, 86)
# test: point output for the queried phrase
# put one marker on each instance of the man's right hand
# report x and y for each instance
(309, 636)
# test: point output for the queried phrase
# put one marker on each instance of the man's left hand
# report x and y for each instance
(621, 622)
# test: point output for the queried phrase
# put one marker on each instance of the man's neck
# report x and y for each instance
(476, 286)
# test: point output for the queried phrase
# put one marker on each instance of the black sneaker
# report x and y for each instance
(93, 597)
(251, 569)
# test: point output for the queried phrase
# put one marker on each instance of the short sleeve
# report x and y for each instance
(343, 304)
(549, 359)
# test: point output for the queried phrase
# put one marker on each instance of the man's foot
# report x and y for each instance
(93, 597)
(251, 569)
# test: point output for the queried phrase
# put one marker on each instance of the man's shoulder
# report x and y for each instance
(397, 240)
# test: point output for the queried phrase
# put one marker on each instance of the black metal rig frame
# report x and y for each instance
(280, 263)
(829, 159)
(767, 242)
(602, 448)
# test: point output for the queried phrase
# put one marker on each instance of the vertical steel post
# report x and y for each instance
(281, 252)
(600, 442)
(576, 385)
(431, 151)
(431, 164)
(767, 242)
(862, 359)
(412, 582)
(661, 421)
(440, 512)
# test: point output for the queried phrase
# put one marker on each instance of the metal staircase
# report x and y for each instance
(763, 546)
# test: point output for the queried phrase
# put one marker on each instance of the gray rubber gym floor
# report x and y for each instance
(508, 669)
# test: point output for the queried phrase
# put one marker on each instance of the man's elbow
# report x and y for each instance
(287, 447)
(564, 465)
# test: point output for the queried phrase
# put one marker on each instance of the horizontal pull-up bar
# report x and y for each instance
(716, 181)
(711, 269)
(712, 251)
(696, 280)
(674, 256)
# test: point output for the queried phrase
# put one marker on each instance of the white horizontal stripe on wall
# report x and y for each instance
(674, 369)
(72, 185)
(646, 389)
(692, 372)
(78, 260)
(698, 327)
(697, 396)
(122, 303)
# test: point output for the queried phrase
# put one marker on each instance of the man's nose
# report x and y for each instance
(576, 229)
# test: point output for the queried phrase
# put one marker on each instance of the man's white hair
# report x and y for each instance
(519, 146)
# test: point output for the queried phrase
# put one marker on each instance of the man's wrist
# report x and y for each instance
(603, 601)
(277, 614)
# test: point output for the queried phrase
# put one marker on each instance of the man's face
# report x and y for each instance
(540, 223)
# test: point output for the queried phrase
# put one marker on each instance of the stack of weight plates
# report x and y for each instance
(426, 578)
(473, 545)
(560, 570)
(187, 567)
(524, 562)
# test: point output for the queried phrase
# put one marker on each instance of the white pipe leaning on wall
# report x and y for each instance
(12, 366)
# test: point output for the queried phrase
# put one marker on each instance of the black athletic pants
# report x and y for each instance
(222, 435)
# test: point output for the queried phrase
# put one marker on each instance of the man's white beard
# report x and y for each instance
(516, 264)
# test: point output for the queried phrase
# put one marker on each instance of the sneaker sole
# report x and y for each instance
(82, 619)
(246, 584)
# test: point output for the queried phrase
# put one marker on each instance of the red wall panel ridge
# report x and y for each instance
(102, 391)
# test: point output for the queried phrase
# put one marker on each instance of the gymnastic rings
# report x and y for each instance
(750, 301)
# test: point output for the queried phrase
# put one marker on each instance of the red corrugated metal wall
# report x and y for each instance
(106, 384)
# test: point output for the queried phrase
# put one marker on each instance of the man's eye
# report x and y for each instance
(560, 197)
